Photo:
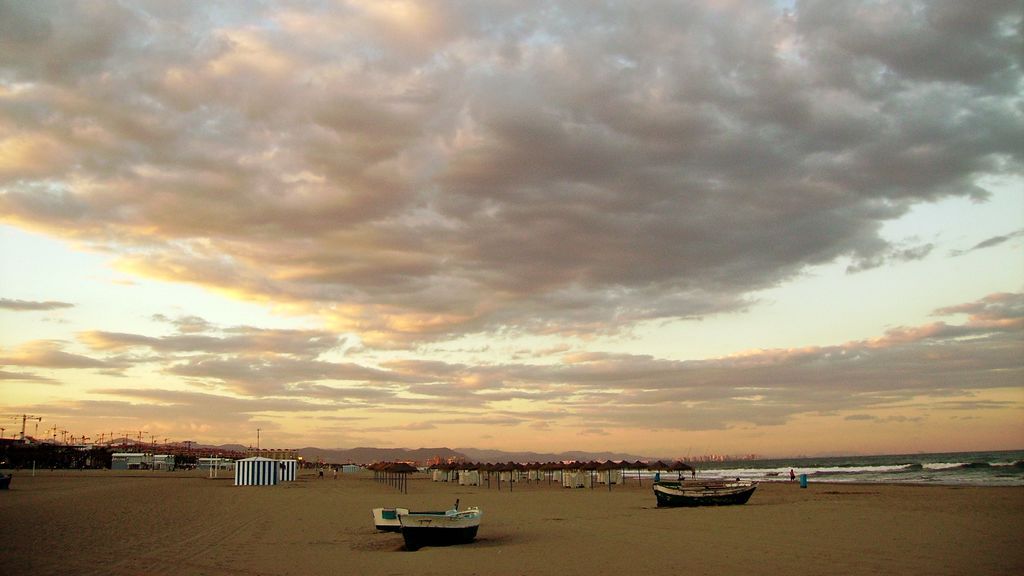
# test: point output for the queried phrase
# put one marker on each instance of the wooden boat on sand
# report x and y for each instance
(684, 494)
(439, 528)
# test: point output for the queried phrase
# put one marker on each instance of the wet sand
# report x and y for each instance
(132, 523)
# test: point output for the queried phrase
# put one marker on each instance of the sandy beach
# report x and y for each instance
(121, 523)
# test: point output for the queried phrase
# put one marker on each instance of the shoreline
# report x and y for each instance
(127, 522)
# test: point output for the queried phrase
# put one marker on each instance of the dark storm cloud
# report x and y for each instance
(425, 170)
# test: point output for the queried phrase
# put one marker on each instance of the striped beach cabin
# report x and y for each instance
(287, 470)
(256, 471)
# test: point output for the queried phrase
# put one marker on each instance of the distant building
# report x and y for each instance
(163, 462)
(131, 461)
(141, 461)
(218, 463)
(272, 453)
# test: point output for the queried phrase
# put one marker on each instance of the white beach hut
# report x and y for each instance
(577, 477)
(443, 473)
(609, 475)
(256, 471)
(469, 478)
(574, 479)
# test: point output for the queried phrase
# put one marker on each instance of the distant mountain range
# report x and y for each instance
(478, 455)
(366, 455)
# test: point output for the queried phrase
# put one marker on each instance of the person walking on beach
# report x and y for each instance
(792, 475)
(334, 471)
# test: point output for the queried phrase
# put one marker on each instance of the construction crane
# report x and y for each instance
(24, 418)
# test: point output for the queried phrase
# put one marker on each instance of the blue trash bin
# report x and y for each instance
(803, 480)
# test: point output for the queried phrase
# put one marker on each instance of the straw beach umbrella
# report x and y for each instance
(402, 471)
(658, 467)
(469, 474)
(607, 468)
(397, 474)
(680, 467)
(639, 466)
(378, 470)
(489, 468)
(449, 470)
(533, 470)
(570, 470)
(562, 468)
(550, 468)
(483, 468)
(499, 468)
(514, 470)
(438, 472)
(591, 467)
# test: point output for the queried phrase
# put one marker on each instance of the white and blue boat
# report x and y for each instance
(439, 528)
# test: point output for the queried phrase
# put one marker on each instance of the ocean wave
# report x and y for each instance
(939, 466)
(975, 465)
(857, 470)
(1004, 468)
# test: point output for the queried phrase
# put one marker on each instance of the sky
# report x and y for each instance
(669, 228)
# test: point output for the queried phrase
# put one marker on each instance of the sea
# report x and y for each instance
(1003, 468)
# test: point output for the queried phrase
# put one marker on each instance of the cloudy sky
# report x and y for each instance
(667, 227)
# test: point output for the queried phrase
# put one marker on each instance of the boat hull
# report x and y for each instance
(439, 529)
(676, 495)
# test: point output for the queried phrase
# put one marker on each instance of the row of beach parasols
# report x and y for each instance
(396, 474)
(549, 468)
